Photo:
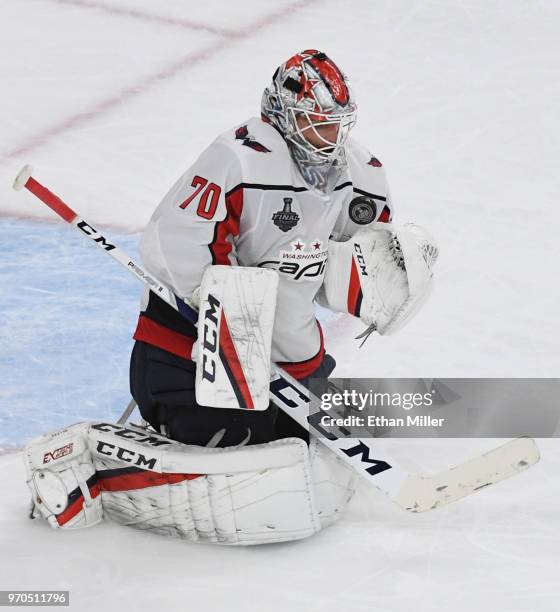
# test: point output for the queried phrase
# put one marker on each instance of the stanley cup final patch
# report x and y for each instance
(285, 219)
(362, 210)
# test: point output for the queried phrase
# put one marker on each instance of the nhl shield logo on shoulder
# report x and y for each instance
(285, 219)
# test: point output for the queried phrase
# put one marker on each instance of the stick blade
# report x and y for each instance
(23, 176)
(422, 493)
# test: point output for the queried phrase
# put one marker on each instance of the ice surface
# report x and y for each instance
(68, 313)
(110, 100)
(495, 551)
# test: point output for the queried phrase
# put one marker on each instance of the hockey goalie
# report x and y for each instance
(278, 213)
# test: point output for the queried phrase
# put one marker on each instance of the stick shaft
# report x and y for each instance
(70, 216)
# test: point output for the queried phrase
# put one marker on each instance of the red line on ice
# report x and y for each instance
(112, 227)
(143, 16)
(128, 93)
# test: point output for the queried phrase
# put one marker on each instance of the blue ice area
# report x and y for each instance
(68, 313)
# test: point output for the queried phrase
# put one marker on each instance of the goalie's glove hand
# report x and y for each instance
(382, 275)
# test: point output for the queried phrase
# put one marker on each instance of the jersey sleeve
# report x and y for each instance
(197, 222)
(386, 215)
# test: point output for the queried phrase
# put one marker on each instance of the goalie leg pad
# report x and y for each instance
(274, 492)
(62, 479)
(238, 496)
(334, 483)
(234, 337)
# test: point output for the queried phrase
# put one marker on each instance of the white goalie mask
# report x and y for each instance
(311, 104)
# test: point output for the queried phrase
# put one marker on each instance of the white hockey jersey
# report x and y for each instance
(243, 202)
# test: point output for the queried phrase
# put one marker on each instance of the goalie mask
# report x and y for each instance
(310, 102)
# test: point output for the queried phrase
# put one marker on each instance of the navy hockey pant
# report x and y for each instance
(163, 386)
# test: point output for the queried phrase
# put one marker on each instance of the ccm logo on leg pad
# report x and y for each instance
(125, 454)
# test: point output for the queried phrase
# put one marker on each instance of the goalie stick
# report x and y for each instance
(412, 492)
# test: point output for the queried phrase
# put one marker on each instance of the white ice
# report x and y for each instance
(110, 100)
